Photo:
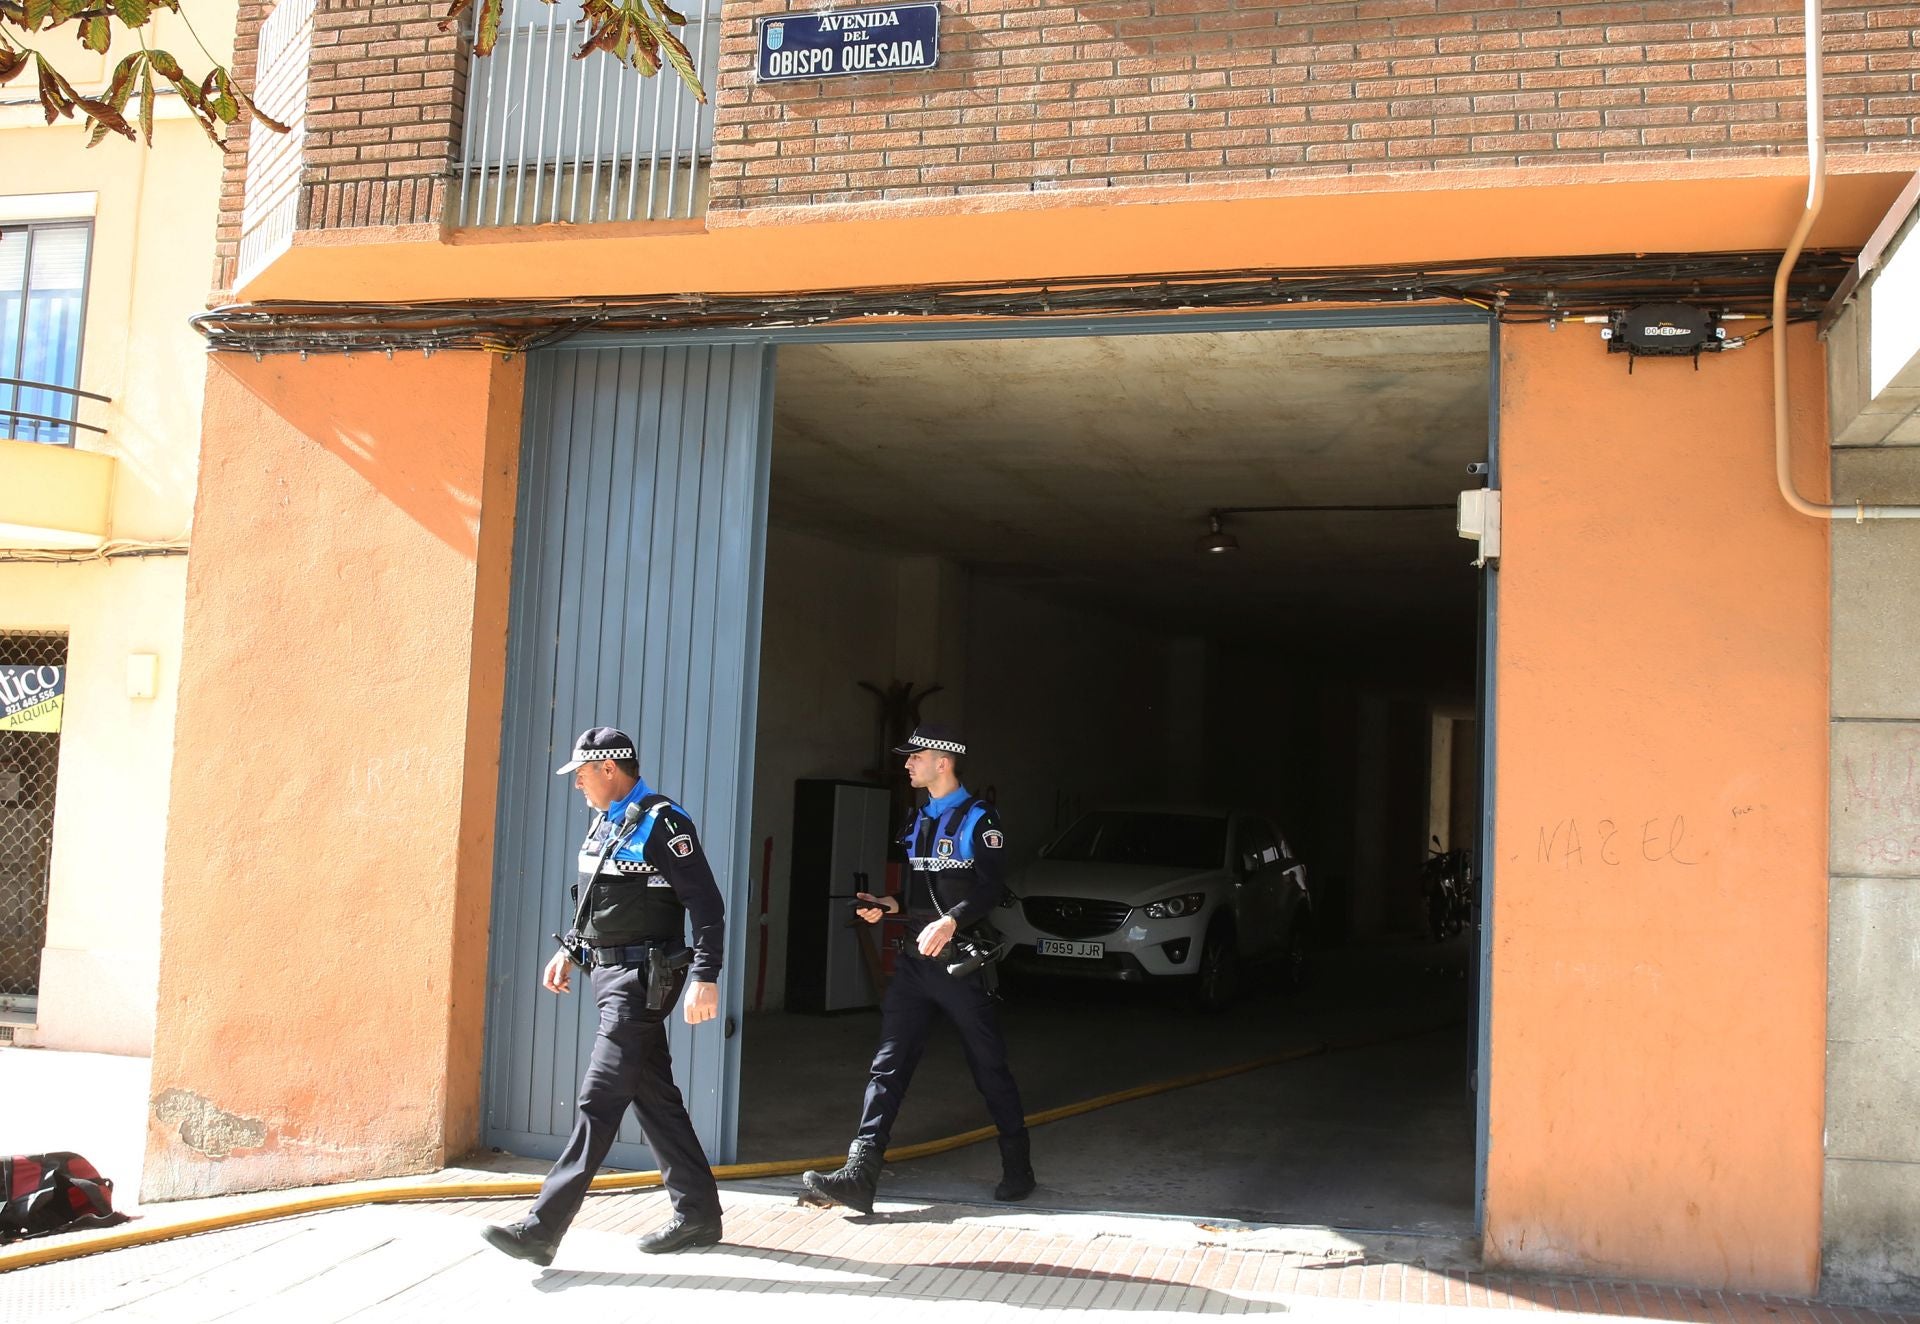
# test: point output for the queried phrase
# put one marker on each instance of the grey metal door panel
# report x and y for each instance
(636, 602)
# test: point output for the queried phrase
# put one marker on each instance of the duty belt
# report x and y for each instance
(632, 954)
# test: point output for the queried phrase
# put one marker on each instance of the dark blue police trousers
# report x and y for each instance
(920, 988)
(630, 1066)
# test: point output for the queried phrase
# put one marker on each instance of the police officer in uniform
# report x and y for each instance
(955, 854)
(643, 877)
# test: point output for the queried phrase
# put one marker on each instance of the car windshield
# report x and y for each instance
(1112, 836)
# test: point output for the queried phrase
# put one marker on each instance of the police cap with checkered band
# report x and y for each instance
(596, 743)
(936, 736)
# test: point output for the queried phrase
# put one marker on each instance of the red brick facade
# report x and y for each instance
(385, 92)
(1034, 96)
(383, 114)
(233, 179)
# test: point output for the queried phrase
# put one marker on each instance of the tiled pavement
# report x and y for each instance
(908, 1264)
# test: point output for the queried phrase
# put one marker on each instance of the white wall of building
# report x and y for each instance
(150, 265)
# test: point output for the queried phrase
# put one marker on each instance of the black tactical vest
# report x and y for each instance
(939, 860)
(632, 901)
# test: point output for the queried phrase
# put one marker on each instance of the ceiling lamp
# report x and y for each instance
(1217, 541)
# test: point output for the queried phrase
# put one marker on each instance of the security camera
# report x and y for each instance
(1478, 469)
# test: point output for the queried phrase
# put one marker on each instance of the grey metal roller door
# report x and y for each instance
(636, 602)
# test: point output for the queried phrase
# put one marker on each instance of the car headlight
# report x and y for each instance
(1176, 906)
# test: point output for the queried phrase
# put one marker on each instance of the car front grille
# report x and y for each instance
(1073, 917)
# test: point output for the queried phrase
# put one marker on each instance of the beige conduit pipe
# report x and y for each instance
(1816, 195)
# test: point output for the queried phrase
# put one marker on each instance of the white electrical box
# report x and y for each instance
(1479, 520)
(143, 675)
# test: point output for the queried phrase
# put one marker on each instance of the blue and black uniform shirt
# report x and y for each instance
(655, 884)
(957, 853)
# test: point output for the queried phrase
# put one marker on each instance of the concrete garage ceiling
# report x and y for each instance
(1084, 467)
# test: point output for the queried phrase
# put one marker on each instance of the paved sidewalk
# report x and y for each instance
(907, 1264)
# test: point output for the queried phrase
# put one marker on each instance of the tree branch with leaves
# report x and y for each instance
(637, 33)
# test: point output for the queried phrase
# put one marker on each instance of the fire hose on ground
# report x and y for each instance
(408, 1192)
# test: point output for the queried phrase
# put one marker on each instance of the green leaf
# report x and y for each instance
(96, 35)
(214, 91)
(65, 11)
(166, 66)
(489, 27)
(35, 13)
(146, 100)
(682, 63)
(260, 116)
(122, 81)
(672, 15)
(56, 97)
(452, 16)
(133, 13)
(105, 120)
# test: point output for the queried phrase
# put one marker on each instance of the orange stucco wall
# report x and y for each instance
(329, 852)
(1457, 216)
(1659, 910)
(1656, 1063)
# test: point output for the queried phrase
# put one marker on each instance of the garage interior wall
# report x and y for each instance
(1067, 707)
(1034, 685)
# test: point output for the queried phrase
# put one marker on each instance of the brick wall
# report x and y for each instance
(1033, 96)
(233, 179)
(385, 91)
(1040, 95)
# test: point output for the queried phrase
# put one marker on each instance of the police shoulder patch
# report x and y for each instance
(682, 845)
(992, 839)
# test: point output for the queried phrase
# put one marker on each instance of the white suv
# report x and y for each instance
(1160, 892)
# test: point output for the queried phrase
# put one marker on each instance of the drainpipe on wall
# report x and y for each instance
(1816, 195)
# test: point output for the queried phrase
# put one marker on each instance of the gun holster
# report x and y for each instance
(974, 950)
(663, 969)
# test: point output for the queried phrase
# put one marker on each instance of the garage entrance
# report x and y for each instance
(1017, 533)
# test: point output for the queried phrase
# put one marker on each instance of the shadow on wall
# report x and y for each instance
(402, 424)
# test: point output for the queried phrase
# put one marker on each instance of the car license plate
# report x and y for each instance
(1092, 951)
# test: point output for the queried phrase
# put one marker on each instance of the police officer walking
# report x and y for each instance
(643, 876)
(955, 854)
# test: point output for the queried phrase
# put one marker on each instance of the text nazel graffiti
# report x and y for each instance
(32, 698)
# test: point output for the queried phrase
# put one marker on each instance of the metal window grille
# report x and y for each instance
(551, 138)
(29, 768)
(43, 306)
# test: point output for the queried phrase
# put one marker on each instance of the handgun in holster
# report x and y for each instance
(662, 969)
(975, 950)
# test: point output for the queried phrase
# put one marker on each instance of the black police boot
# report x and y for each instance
(853, 1185)
(682, 1233)
(521, 1240)
(1016, 1168)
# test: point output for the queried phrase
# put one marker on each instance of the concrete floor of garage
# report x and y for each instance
(1377, 1137)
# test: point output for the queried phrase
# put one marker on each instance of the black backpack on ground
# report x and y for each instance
(45, 1193)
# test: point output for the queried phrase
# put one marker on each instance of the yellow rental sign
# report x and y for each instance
(32, 698)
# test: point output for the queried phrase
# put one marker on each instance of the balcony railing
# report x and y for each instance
(552, 138)
(43, 411)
